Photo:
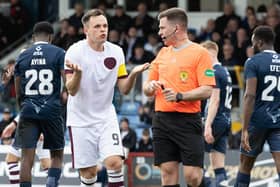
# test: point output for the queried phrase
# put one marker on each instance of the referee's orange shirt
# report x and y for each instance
(182, 70)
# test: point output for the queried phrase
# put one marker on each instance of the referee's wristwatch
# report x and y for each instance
(179, 97)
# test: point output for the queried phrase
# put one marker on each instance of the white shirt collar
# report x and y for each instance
(217, 63)
(269, 51)
(41, 42)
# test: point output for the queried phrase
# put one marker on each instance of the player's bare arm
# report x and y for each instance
(73, 80)
(200, 93)
(126, 84)
(248, 107)
(212, 111)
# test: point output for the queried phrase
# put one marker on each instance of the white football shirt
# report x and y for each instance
(92, 104)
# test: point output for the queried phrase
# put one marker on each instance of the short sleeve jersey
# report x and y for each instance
(92, 103)
(265, 67)
(182, 70)
(39, 68)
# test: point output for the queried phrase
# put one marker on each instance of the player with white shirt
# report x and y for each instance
(93, 67)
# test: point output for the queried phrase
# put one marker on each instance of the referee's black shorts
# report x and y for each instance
(178, 137)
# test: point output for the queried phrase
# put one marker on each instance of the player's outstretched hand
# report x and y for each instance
(74, 67)
(245, 141)
(8, 131)
(141, 68)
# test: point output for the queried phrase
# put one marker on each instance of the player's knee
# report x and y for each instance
(193, 178)
(246, 163)
(168, 173)
(88, 181)
(169, 168)
(57, 157)
(114, 163)
(117, 165)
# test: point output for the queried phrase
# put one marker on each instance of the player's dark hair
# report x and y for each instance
(264, 33)
(178, 15)
(90, 13)
(43, 27)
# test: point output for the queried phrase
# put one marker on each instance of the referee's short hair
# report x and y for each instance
(43, 27)
(177, 15)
